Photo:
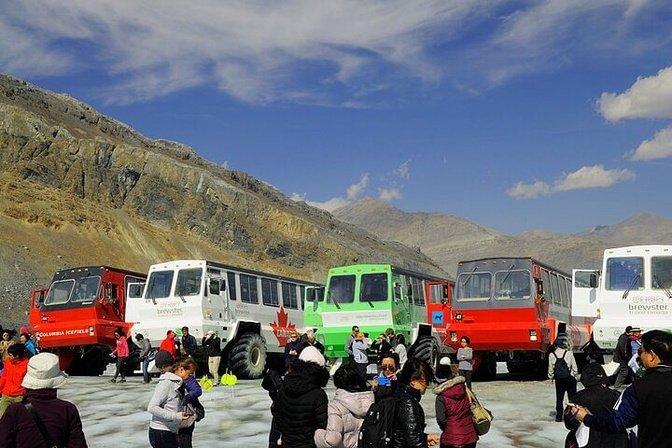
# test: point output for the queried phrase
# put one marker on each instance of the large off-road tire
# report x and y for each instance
(427, 349)
(248, 356)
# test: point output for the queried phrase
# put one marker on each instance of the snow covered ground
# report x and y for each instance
(114, 414)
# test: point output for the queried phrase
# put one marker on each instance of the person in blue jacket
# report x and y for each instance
(190, 402)
(646, 402)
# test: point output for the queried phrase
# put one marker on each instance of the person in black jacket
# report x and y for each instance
(213, 350)
(622, 355)
(381, 347)
(597, 397)
(272, 380)
(293, 347)
(646, 402)
(310, 341)
(409, 418)
(189, 343)
(301, 404)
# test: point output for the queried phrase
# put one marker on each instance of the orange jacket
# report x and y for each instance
(12, 376)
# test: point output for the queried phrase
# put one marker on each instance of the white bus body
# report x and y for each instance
(252, 312)
(633, 288)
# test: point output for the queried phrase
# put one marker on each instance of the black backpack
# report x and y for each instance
(561, 370)
(378, 424)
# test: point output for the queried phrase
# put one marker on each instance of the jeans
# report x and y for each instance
(185, 435)
(213, 367)
(467, 377)
(562, 386)
(145, 369)
(121, 361)
(162, 439)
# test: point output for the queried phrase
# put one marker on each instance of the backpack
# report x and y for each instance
(561, 369)
(376, 431)
(481, 416)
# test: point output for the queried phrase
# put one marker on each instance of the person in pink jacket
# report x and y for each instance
(121, 353)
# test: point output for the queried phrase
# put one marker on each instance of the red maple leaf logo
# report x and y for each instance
(282, 329)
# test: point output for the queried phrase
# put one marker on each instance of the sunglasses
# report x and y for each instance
(387, 368)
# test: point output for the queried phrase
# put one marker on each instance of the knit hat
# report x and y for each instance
(163, 359)
(44, 373)
(311, 354)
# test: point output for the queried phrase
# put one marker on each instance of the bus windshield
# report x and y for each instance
(373, 288)
(512, 285)
(625, 273)
(473, 286)
(341, 289)
(159, 284)
(83, 290)
(661, 272)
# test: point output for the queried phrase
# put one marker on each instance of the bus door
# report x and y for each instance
(439, 301)
(313, 298)
(217, 297)
(584, 292)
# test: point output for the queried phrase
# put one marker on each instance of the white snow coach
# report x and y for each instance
(252, 312)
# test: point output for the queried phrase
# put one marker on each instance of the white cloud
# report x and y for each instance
(595, 176)
(647, 98)
(659, 147)
(532, 190)
(389, 194)
(296, 197)
(352, 193)
(331, 204)
(357, 188)
(403, 171)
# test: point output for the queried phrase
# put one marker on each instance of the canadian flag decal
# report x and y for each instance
(282, 328)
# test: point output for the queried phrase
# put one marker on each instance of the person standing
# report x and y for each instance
(26, 340)
(381, 347)
(400, 348)
(5, 343)
(359, 354)
(292, 348)
(453, 410)
(213, 350)
(121, 352)
(646, 402)
(166, 405)
(409, 417)
(189, 343)
(390, 336)
(346, 411)
(622, 355)
(311, 341)
(145, 348)
(350, 340)
(192, 406)
(16, 366)
(301, 406)
(385, 384)
(60, 418)
(563, 372)
(465, 358)
(169, 344)
(597, 397)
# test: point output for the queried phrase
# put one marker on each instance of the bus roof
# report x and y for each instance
(176, 263)
(530, 259)
(63, 273)
(381, 267)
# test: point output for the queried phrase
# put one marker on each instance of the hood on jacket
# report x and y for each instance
(357, 403)
(170, 376)
(451, 383)
(304, 377)
(593, 375)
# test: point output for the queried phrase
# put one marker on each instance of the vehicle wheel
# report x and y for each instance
(248, 356)
(487, 369)
(426, 349)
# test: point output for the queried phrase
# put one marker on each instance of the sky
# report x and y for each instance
(520, 115)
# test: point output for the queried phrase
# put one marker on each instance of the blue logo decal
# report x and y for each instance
(437, 317)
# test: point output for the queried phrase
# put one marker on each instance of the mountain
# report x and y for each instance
(79, 188)
(449, 239)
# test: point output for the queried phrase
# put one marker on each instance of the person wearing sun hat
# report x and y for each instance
(59, 418)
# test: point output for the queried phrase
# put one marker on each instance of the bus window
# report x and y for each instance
(231, 277)
(546, 279)
(248, 289)
(512, 285)
(625, 273)
(302, 296)
(86, 289)
(135, 290)
(159, 284)
(661, 272)
(556, 290)
(563, 290)
(341, 289)
(59, 292)
(269, 292)
(188, 282)
(474, 286)
(289, 299)
(436, 293)
(418, 291)
(373, 288)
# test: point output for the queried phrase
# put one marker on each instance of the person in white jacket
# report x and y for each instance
(346, 410)
(166, 406)
(562, 371)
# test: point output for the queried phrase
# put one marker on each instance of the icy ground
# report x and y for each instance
(114, 415)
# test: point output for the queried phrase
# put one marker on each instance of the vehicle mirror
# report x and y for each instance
(214, 286)
(593, 280)
(40, 299)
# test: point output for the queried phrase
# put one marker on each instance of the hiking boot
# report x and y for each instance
(123, 380)
(113, 380)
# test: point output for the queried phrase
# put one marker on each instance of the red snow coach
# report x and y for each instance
(77, 315)
(512, 309)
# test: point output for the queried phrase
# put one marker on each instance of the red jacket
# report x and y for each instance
(122, 348)
(453, 413)
(60, 418)
(168, 345)
(12, 376)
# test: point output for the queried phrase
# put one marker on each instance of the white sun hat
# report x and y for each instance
(311, 354)
(44, 373)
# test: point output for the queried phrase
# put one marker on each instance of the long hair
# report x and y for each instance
(416, 369)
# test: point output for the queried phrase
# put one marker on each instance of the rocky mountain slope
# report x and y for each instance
(79, 188)
(449, 239)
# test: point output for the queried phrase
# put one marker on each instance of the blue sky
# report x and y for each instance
(518, 115)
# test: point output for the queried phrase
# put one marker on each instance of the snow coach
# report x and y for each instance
(252, 312)
(377, 297)
(77, 315)
(512, 309)
(633, 288)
